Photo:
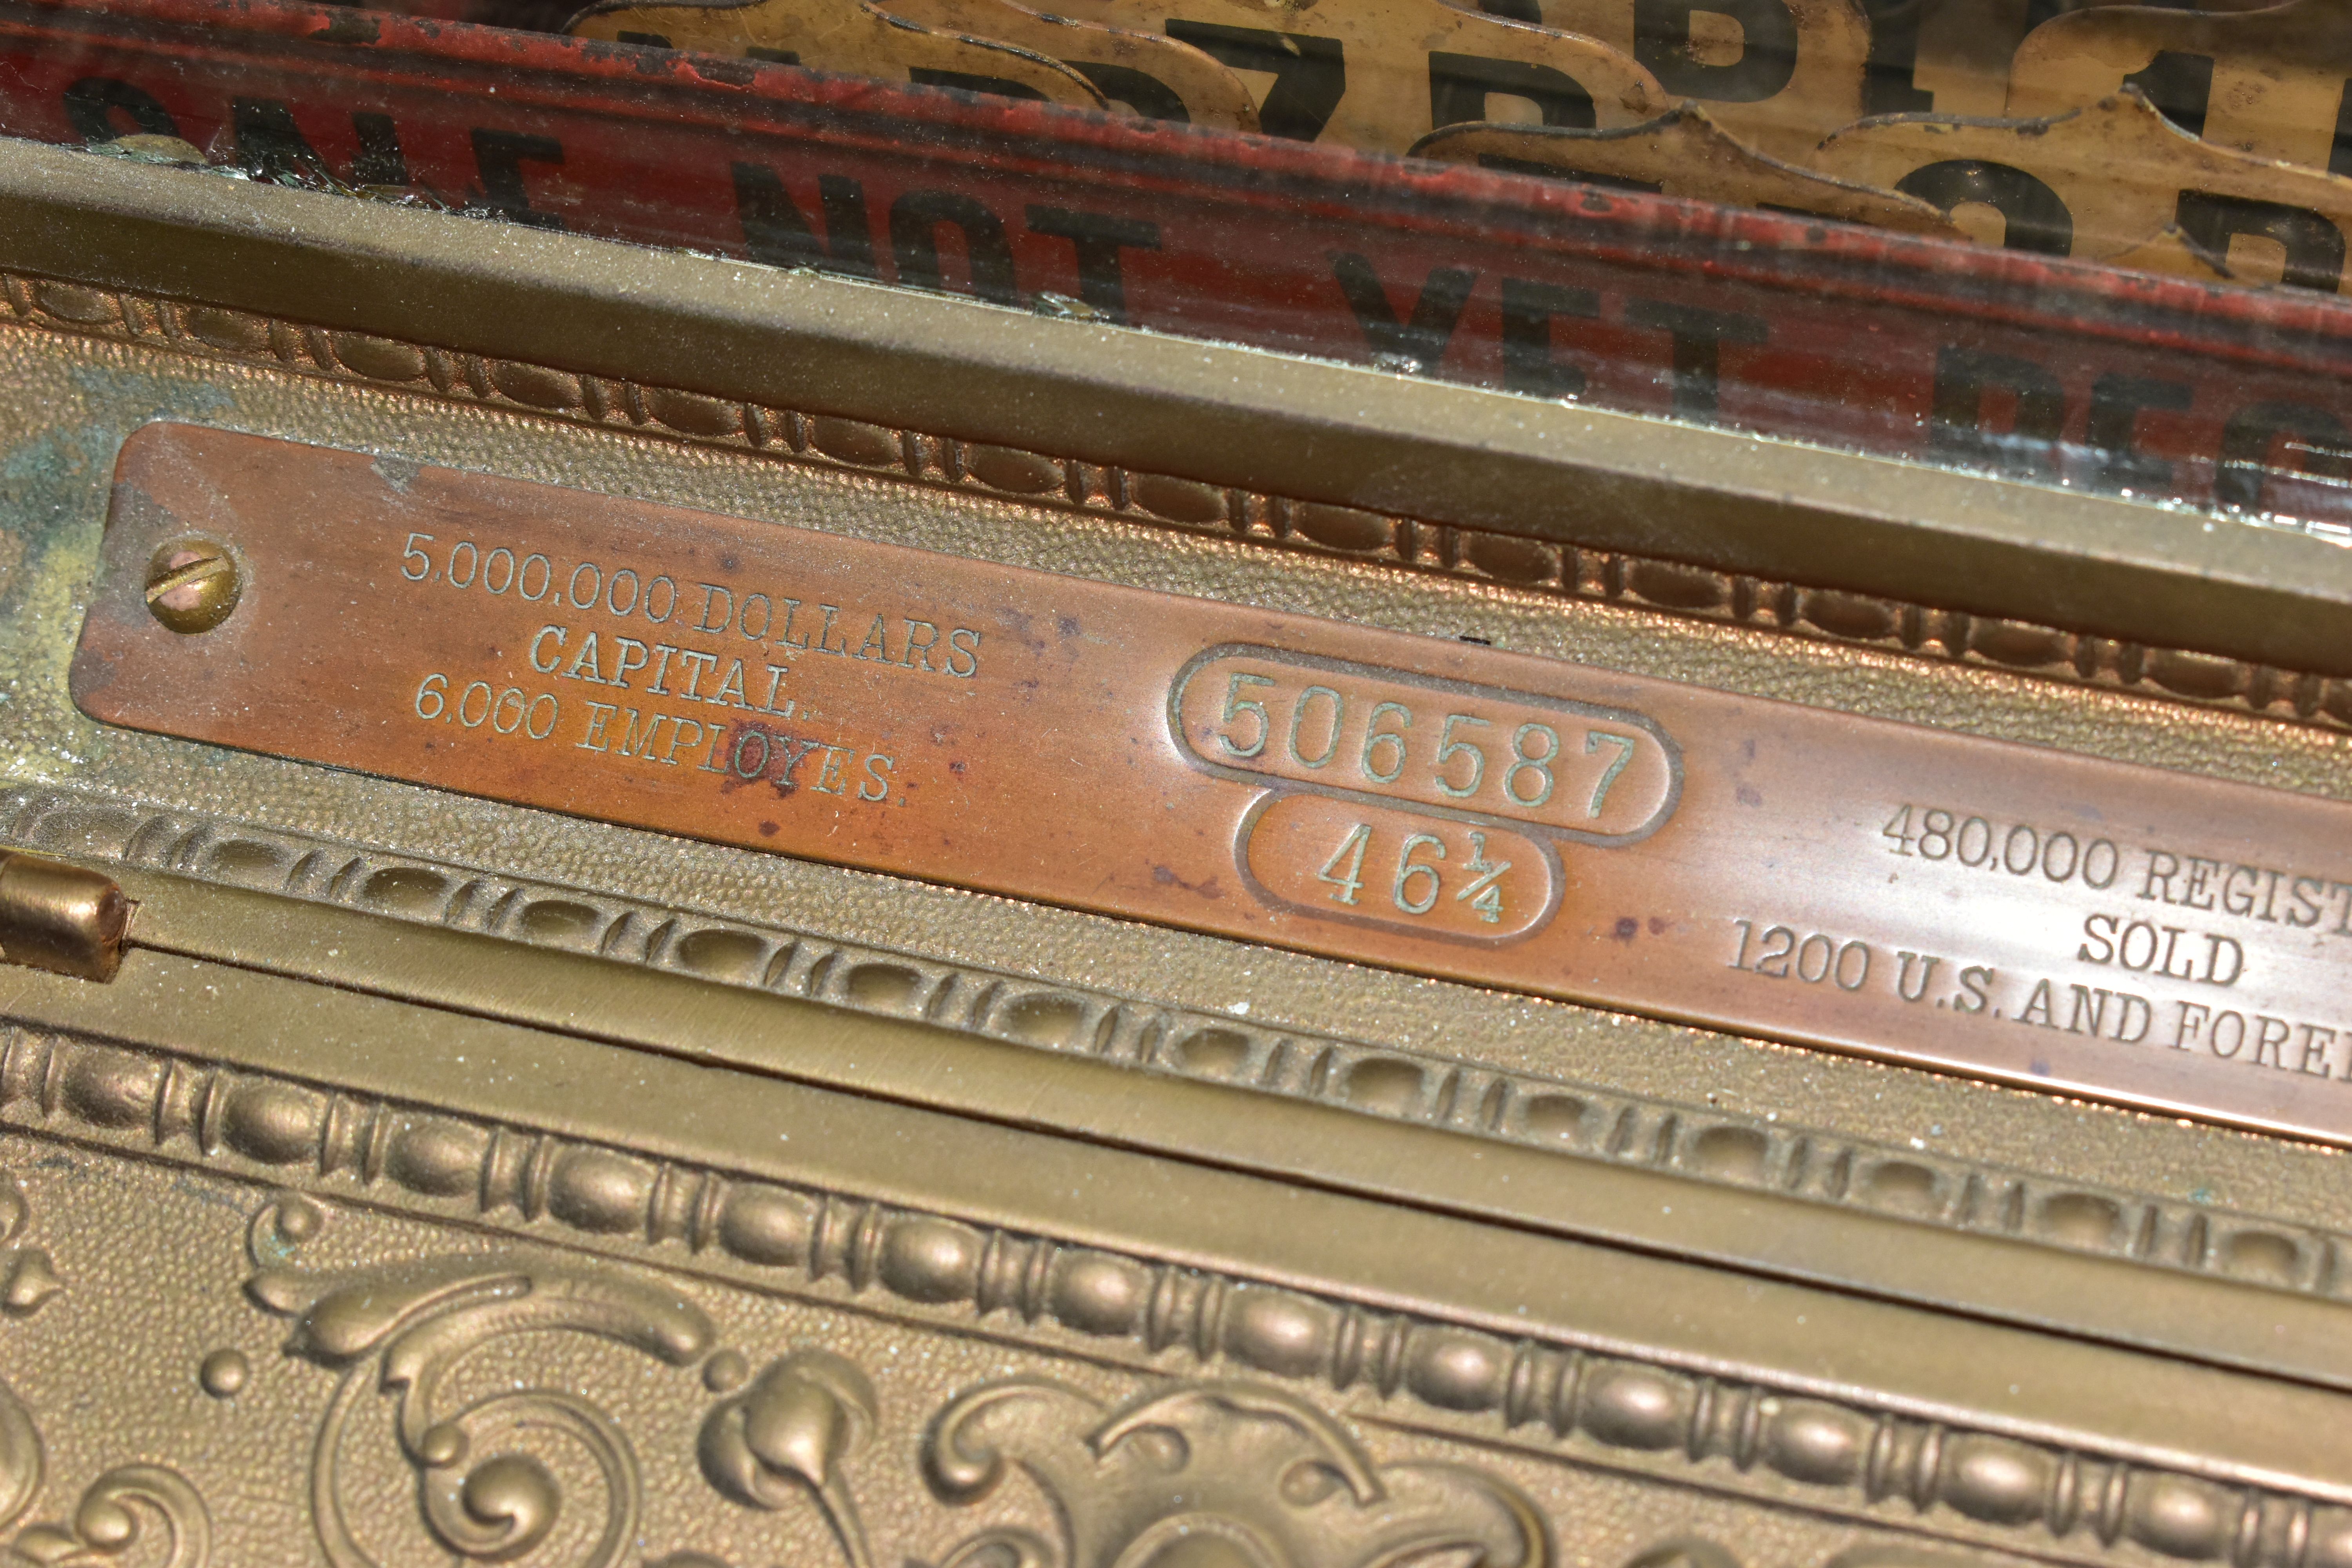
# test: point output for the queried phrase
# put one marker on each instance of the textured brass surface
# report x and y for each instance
(355, 1231)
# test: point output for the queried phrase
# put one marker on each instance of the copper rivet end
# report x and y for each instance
(61, 918)
(193, 585)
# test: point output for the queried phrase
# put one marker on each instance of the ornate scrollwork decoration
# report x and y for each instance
(402, 1331)
(1243, 1476)
(788, 1433)
(27, 1282)
(28, 1279)
(110, 1521)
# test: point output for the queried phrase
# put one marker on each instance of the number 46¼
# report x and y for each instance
(1416, 885)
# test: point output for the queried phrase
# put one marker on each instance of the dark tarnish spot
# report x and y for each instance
(1627, 928)
(1021, 626)
(1657, 925)
(767, 830)
(350, 27)
(1594, 202)
(1747, 749)
(780, 758)
(730, 562)
(731, 73)
(1168, 879)
(1748, 794)
(1067, 626)
(956, 768)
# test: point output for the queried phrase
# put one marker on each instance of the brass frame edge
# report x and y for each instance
(2167, 670)
(1465, 1320)
(1808, 1164)
(1233, 416)
(1186, 1121)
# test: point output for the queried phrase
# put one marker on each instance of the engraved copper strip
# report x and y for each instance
(2154, 938)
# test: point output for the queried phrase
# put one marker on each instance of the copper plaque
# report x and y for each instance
(2125, 933)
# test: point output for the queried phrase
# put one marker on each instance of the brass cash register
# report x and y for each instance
(1238, 783)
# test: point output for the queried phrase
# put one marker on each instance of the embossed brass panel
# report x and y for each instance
(473, 1162)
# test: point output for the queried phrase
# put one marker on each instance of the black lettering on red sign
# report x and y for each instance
(2112, 427)
(271, 146)
(500, 155)
(915, 220)
(380, 160)
(1968, 385)
(1420, 339)
(1698, 337)
(777, 233)
(92, 103)
(2266, 438)
(1097, 238)
(1530, 364)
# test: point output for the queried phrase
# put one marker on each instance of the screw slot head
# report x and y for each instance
(193, 585)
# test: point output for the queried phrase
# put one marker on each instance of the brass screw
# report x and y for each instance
(193, 585)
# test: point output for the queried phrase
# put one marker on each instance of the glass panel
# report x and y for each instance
(2085, 247)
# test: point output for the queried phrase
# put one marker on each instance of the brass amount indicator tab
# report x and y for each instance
(2141, 936)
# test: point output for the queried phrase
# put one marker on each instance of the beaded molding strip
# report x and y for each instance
(1574, 1402)
(1565, 570)
(1913, 1182)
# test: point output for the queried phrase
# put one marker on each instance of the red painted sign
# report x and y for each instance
(2057, 371)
